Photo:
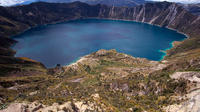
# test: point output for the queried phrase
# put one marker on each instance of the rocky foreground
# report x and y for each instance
(108, 81)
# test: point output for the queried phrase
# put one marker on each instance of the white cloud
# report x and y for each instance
(10, 2)
(181, 1)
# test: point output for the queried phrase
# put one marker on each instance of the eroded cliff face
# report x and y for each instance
(164, 14)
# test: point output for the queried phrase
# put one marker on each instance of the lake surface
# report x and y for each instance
(65, 42)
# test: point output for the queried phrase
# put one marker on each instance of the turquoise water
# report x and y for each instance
(65, 42)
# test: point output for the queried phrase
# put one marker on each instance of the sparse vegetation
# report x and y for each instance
(120, 87)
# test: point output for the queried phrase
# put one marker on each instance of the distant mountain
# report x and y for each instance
(193, 8)
(59, 1)
(128, 3)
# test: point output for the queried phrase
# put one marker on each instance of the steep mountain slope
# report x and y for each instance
(104, 80)
(163, 14)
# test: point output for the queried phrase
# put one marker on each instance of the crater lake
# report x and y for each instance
(66, 42)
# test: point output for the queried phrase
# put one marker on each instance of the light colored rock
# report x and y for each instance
(191, 76)
(81, 106)
(33, 93)
(77, 80)
(191, 105)
(95, 96)
(61, 111)
(15, 107)
(101, 52)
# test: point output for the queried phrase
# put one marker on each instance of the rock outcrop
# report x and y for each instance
(192, 102)
(75, 106)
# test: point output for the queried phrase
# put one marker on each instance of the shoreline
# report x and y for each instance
(75, 61)
(143, 23)
(28, 28)
(172, 44)
(165, 51)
